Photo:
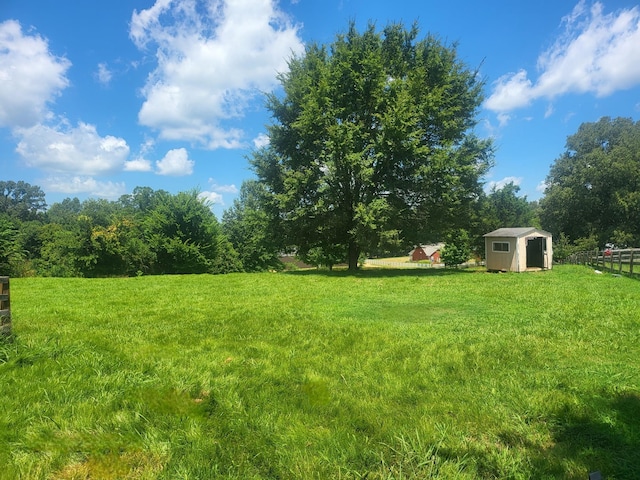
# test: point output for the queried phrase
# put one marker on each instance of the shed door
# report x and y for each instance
(535, 252)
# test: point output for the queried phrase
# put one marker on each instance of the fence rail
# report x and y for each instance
(623, 261)
(392, 264)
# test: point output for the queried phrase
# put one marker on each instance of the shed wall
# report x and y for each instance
(503, 261)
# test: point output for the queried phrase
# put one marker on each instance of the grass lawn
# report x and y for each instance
(385, 374)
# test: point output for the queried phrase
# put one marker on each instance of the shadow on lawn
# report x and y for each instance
(608, 440)
(602, 436)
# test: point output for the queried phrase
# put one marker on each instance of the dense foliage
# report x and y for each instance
(247, 227)
(372, 140)
(593, 188)
(150, 232)
(457, 248)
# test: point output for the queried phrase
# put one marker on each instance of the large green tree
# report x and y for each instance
(372, 136)
(246, 225)
(185, 236)
(593, 188)
(502, 207)
(21, 200)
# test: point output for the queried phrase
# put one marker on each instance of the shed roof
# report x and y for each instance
(516, 232)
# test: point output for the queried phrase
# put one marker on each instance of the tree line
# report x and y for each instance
(371, 152)
(146, 232)
(155, 232)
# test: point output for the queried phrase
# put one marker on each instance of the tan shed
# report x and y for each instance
(518, 249)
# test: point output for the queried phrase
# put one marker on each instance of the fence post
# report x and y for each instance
(619, 261)
(611, 260)
(5, 308)
(631, 262)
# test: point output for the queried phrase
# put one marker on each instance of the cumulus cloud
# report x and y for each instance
(262, 140)
(596, 53)
(212, 59)
(214, 195)
(214, 186)
(138, 165)
(212, 198)
(76, 150)
(175, 163)
(74, 185)
(30, 76)
(500, 184)
(541, 187)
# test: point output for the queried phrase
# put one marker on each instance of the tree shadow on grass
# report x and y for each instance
(607, 439)
(603, 435)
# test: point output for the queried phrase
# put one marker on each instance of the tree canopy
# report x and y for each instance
(593, 188)
(147, 231)
(21, 200)
(372, 137)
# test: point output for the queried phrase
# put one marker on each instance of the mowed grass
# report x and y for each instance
(380, 375)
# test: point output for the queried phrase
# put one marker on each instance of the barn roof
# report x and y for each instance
(516, 232)
(429, 249)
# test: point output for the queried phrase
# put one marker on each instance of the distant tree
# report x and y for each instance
(10, 252)
(142, 200)
(60, 252)
(326, 256)
(246, 225)
(457, 248)
(21, 200)
(145, 232)
(500, 208)
(183, 233)
(372, 137)
(507, 209)
(65, 212)
(593, 188)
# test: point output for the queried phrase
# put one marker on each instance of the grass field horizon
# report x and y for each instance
(382, 374)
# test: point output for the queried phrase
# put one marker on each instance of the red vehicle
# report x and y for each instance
(607, 249)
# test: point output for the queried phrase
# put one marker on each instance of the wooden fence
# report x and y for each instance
(5, 308)
(624, 261)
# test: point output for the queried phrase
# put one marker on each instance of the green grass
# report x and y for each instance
(385, 374)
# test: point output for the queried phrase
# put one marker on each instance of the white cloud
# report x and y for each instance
(597, 53)
(175, 163)
(262, 140)
(138, 165)
(541, 187)
(213, 198)
(104, 75)
(511, 91)
(63, 149)
(503, 119)
(75, 184)
(222, 188)
(30, 76)
(213, 59)
(549, 111)
(215, 193)
(500, 184)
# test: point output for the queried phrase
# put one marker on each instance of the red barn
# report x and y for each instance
(427, 252)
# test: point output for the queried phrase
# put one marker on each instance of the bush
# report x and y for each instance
(457, 248)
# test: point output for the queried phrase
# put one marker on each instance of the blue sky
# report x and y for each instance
(97, 98)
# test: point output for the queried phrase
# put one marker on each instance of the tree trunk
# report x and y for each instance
(354, 254)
